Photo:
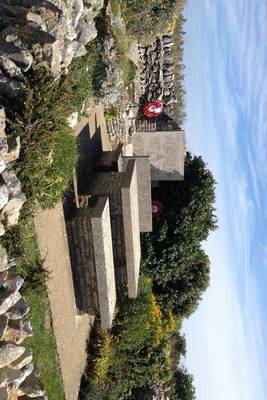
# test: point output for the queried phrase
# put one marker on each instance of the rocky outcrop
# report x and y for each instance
(49, 33)
(18, 376)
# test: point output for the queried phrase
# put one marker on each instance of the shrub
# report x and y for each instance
(140, 354)
(172, 253)
(159, 16)
(21, 242)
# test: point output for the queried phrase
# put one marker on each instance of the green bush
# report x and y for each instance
(49, 149)
(172, 254)
(48, 153)
(136, 352)
(82, 75)
(159, 16)
(21, 242)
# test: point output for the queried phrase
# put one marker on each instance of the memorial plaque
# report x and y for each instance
(166, 150)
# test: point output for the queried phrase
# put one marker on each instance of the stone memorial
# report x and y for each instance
(166, 150)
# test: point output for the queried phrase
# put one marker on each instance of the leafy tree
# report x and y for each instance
(183, 388)
(172, 253)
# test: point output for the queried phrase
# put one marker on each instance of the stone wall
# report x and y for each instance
(11, 196)
(18, 375)
(157, 74)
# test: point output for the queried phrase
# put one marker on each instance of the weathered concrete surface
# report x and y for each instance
(144, 189)
(71, 331)
(130, 211)
(102, 240)
(166, 151)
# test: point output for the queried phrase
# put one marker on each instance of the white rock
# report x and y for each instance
(25, 359)
(3, 138)
(9, 352)
(11, 212)
(14, 377)
(10, 281)
(7, 300)
(3, 195)
(2, 165)
(73, 119)
(3, 259)
(4, 394)
(31, 387)
(19, 310)
(13, 150)
(18, 330)
(3, 326)
(2, 229)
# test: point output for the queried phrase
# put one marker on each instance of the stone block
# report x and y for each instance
(144, 189)
(103, 255)
(166, 150)
(130, 207)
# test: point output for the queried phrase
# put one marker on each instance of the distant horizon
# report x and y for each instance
(226, 96)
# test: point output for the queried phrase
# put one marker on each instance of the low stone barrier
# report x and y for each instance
(18, 375)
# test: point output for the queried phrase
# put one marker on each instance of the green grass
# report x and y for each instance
(43, 343)
(21, 241)
(122, 45)
(49, 149)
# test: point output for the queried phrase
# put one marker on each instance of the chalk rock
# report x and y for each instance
(2, 165)
(14, 377)
(10, 281)
(9, 352)
(3, 138)
(18, 330)
(10, 87)
(19, 310)
(10, 213)
(7, 300)
(3, 259)
(23, 360)
(13, 150)
(31, 387)
(4, 394)
(3, 196)
(73, 119)
(10, 68)
(2, 229)
(3, 326)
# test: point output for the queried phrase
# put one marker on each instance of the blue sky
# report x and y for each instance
(226, 83)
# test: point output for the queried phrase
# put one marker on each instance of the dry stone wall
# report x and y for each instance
(157, 73)
(18, 376)
(11, 196)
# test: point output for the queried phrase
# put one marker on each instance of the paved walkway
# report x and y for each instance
(71, 331)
